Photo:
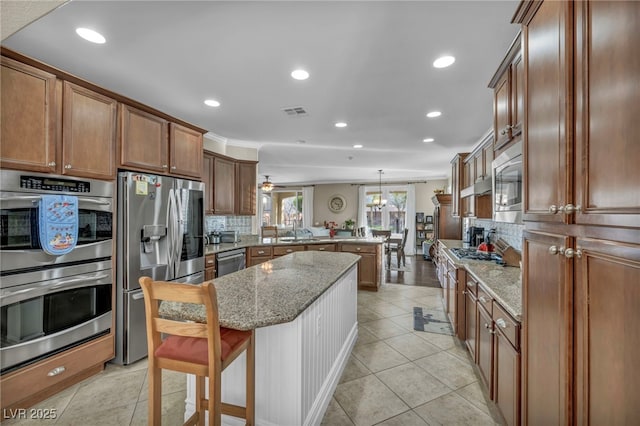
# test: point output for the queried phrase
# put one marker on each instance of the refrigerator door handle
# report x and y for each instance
(179, 220)
(170, 235)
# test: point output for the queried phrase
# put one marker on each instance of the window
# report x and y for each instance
(393, 215)
(282, 208)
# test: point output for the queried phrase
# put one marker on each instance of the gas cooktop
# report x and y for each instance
(474, 254)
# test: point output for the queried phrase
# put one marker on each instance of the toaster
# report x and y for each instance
(229, 237)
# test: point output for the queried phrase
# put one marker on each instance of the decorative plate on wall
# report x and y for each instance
(337, 203)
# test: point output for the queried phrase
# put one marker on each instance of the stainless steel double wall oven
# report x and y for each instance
(50, 303)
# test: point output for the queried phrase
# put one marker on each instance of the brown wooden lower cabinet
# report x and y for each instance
(321, 247)
(282, 250)
(209, 267)
(484, 354)
(471, 320)
(36, 382)
(369, 266)
(506, 378)
(258, 255)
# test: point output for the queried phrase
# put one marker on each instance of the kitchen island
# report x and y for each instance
(302, 307)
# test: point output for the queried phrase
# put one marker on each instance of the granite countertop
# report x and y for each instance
(255, 240)
(273, 292)
(503, 283)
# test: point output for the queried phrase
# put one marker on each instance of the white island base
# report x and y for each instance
(297, 364)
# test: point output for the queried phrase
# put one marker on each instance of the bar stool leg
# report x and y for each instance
(155, 397)
(200, 400)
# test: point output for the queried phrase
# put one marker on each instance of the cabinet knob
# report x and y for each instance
(51, 164)
(501, 323)
(357, 248)
(164, 166)
(321, 249)
(289, 250)
(570, 253)
(67, 166)
(553, 250)
(173, 167)
(260, 251)
(570, 208)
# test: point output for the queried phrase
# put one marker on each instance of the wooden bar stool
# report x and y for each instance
(204, 350)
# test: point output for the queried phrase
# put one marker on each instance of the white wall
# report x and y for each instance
(237, 152)
(322, 193)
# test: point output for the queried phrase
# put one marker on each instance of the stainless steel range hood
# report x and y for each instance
(482, 187)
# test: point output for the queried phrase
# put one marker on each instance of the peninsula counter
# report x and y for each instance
(302, 307)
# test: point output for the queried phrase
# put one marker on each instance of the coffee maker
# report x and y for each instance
(475, 236)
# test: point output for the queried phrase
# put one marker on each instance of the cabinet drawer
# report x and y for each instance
(282, 250)
(359, 248)
(56, 373)
(485, 300)
(322, 247)
(260, 251)
(507, 325)
(210, 261)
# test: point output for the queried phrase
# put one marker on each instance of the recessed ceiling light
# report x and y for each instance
(341, 124)
(90, 35)
(357, 146)
(212, 103)
(428, 140)
(444, 61)
(300, 74)
(433, 114)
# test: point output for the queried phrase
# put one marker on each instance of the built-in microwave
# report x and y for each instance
(507, 185)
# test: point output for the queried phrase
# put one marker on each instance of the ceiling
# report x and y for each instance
(370, 65)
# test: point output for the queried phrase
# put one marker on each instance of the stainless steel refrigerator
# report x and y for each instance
(160, 223)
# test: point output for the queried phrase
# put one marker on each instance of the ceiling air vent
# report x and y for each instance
(296, 111)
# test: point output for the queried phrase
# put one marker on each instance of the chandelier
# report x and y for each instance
(266, 185)
(379, 203)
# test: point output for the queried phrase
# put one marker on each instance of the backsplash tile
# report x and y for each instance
(510, 232)
(242, 224)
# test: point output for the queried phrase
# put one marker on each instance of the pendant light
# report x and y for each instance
(379, 203)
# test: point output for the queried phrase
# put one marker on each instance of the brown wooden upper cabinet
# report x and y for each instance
(149, 142)
(508, 97)
(89, 133)
(457, 182)
(230, 185)
(29, 110)
(246, 188)
(68, 129)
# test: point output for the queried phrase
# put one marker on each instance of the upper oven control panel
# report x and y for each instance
(54, 184)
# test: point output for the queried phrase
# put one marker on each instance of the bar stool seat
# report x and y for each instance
(204, 350)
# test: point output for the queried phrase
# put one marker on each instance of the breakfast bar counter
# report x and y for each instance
(302, 307)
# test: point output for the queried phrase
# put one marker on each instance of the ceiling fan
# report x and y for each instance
(267, 185)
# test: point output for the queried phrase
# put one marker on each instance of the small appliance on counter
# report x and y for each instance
(475, 236)
(229, 237)
(214, 237)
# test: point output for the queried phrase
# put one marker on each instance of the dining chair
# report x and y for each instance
(399, 249)
(386, 234)
(204, 350)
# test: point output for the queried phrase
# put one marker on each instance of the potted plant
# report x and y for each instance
(349, 223)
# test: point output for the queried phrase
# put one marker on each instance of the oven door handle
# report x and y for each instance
(36, 198)
(12, 296)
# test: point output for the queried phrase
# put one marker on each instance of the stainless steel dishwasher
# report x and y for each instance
(230, 261)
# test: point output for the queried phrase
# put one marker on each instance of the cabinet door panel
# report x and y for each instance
(224, 186)
(246, 194)
(484, 357)
(144, 140)
(607, 125)
(501, 112)
(89, 133)
(28, 119)
(506, 384)
(471, 323)
(546, 295)
(517, 95)
(186, 151)
(548, 134)
(207, 179)
(607, 292)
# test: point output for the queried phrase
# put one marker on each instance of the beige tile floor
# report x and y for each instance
(395, 376)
